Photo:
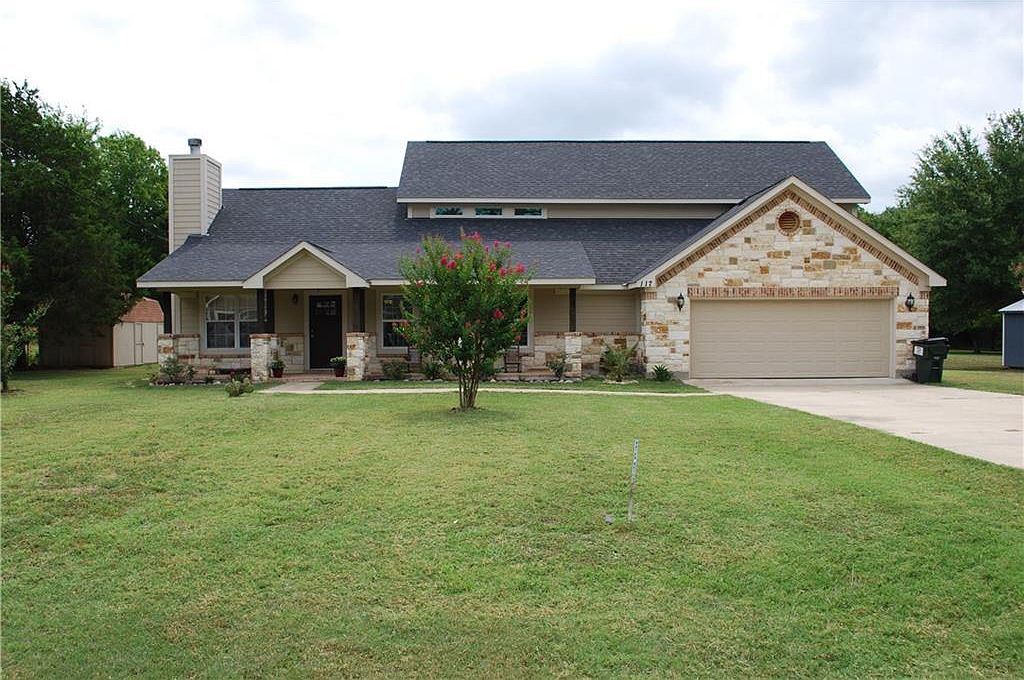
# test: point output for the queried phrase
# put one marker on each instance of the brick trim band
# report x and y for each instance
(776, 293)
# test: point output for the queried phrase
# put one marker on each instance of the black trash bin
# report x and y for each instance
(928, 356)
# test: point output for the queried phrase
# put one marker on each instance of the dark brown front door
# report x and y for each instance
(324, 329)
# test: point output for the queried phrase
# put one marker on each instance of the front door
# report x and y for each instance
(324, 329)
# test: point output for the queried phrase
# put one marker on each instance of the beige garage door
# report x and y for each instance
(790, 338)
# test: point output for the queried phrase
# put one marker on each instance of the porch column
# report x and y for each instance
(355, 353)
(572, 310)
(573, 355)
(261, 310)
(262, 350)
(359, 303)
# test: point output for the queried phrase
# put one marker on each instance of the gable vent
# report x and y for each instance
(788, 222)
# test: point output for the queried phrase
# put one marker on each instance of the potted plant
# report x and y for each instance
(338, 364)
(277, 368)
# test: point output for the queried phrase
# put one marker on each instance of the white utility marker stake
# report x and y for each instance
(632, 479)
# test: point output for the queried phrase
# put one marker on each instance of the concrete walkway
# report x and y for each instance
(310, 388)
(984, 425)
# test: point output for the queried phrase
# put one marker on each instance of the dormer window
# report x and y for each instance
(448, 211)
(531, 211)
(488, 212)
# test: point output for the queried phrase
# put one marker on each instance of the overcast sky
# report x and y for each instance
(327, 94)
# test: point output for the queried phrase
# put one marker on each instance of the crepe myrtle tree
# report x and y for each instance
(465, 305)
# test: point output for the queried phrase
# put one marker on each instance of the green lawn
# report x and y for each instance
(642, 385)
(172, 532)
(983, 371)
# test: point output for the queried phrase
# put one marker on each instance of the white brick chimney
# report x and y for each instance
(193, 194)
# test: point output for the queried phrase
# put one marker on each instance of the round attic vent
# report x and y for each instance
(788, 222)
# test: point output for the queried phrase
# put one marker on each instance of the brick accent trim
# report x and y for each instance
(789, 195)
(777, 293)
(883, 257)
(924, 295)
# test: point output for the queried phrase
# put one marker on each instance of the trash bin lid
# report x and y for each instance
(931, 341)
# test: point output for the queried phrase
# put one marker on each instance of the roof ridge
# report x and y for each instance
(378, 186)
(617, 141)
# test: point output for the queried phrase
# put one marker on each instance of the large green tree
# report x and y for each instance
(83, 215)
(963, 214)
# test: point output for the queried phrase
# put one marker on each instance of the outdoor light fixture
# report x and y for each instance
(295, 298)
(910, 302)
(680, 302)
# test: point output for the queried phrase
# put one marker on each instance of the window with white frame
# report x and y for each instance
(447, 211)
(487, 211)
(528, 211)
(230, 320)
(391, 319)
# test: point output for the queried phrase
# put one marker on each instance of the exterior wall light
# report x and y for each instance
(680, 302)
(295, 298)
(910, 302)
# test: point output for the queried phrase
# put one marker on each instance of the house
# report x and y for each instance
(130, 342)
(718, 259)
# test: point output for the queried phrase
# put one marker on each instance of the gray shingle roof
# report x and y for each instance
(367, 231)
(618, 170)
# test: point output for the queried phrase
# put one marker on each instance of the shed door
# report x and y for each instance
(791, 338)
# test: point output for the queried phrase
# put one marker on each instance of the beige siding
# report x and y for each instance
(607, 312)
(212, 191)
(636, 211)
(304, 271)
(186, 194)
(191, 314)
(289, 317)
(550, 310)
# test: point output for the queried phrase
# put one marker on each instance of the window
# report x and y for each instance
(488, 212)
(230, 319)
(391, 318)
(447, 210)
(529, 212)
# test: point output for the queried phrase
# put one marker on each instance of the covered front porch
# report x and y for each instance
(304, 309)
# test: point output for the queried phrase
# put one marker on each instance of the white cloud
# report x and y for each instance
(310, 93)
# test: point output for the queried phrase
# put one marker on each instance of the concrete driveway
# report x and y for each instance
(984, 425)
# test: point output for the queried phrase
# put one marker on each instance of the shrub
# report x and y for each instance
(618, 363)
(173, 372)
(395, 369)
(236, 388)
(432, 370)
(465, 304)
(557, 365)
(662, 374)
(338, 362)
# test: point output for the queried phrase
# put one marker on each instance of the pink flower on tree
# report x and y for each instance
(520, 268)
(493, 266)
(503, 271)
(452, 264)
(444, 260)
(498, 314)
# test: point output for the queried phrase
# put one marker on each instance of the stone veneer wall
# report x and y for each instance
(824, 258)
(361, 352)
(586, 349)
(291, 350)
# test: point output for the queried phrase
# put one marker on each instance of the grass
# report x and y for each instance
(175, 532)
(641, 385)
(981, 371)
